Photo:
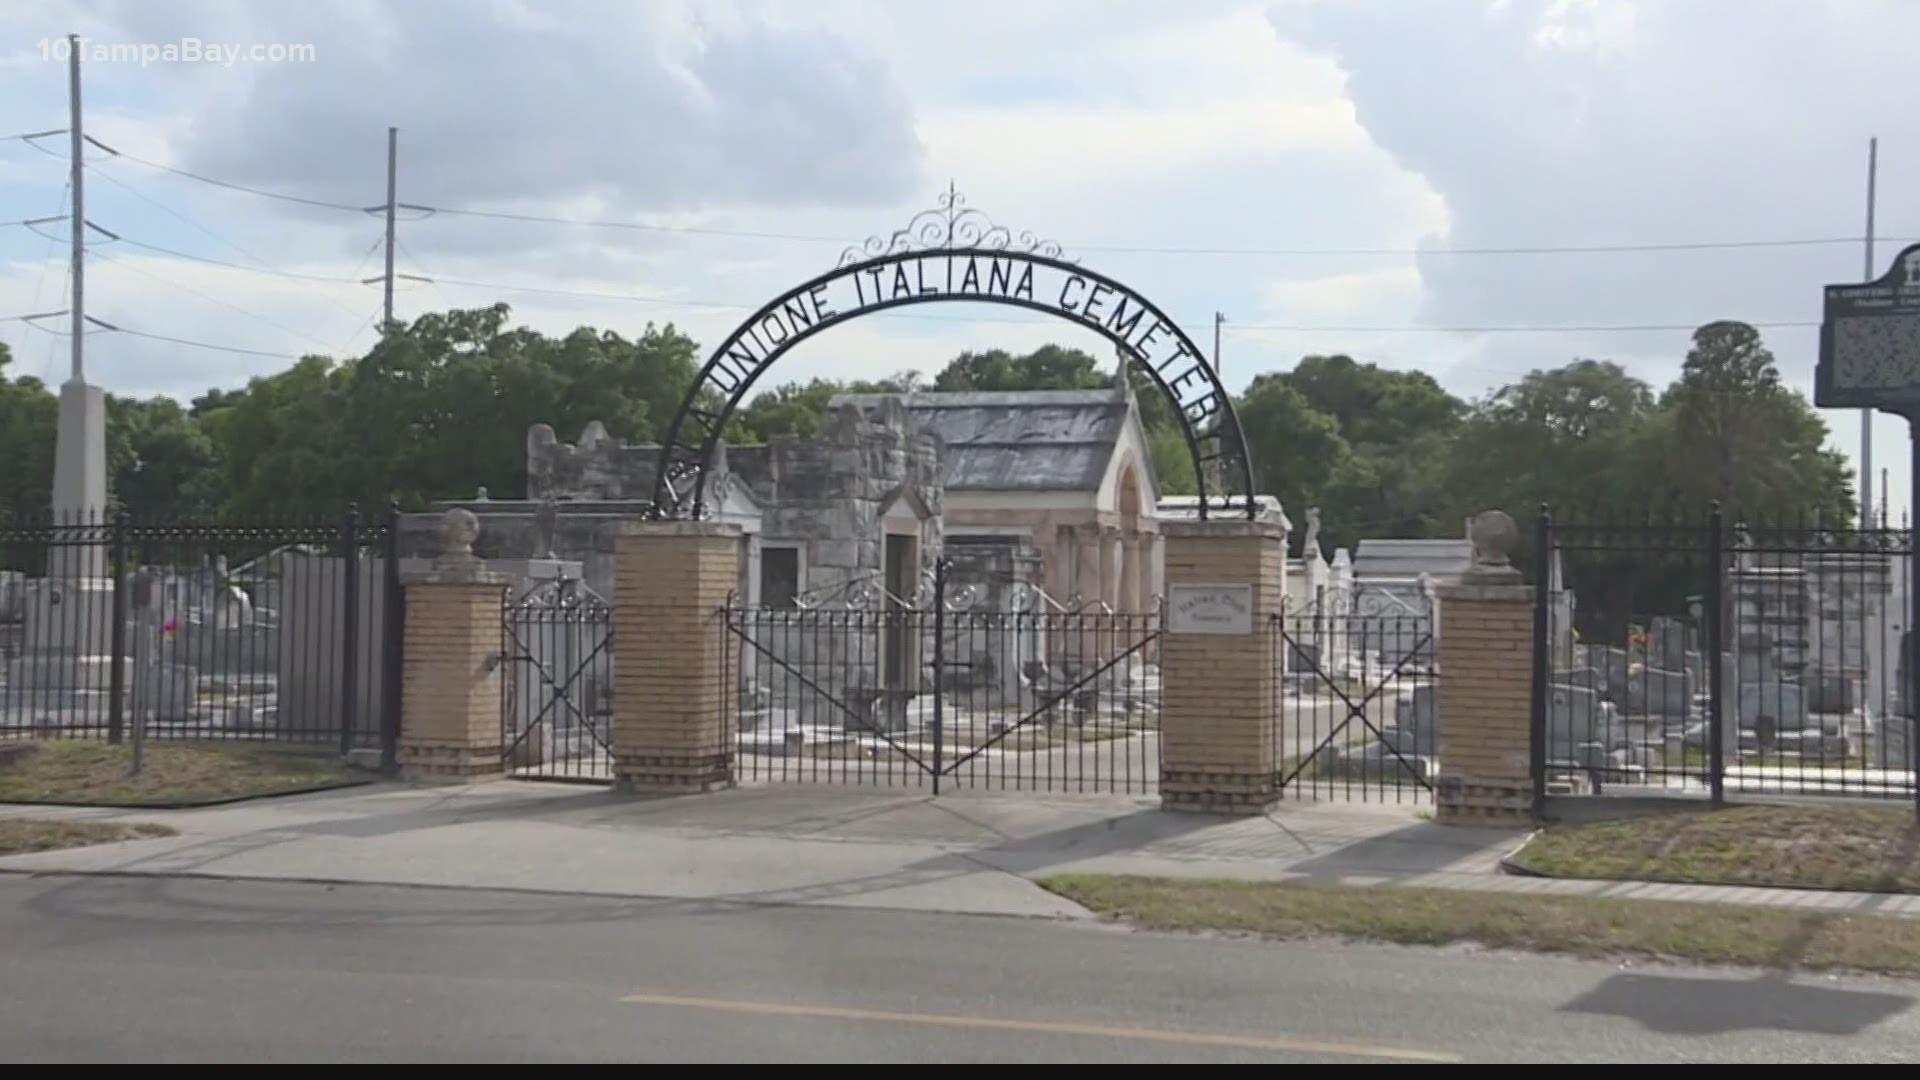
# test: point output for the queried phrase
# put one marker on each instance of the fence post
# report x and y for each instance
(350, 634)
(1716, 734)
(117, 634)
(1543, 641)
(939, 666)
(393, 641)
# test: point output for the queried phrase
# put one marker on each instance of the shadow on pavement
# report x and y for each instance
(1419, 848)
(1677, 1005)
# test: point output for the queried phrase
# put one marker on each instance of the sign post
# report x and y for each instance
(1870, 359)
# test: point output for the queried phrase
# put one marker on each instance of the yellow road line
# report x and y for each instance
(1044, 1027)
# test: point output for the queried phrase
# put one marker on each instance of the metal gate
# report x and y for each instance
(1359, 710)
(932, 691)
(557, 715)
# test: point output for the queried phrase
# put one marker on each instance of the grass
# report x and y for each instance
(1872, 848)
(97, 773)
(1588, 927)
(21, 836)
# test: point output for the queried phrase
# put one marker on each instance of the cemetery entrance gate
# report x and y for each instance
(935, 690)
(557, 713)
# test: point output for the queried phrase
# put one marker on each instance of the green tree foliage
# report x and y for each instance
(1397, 428)
(1747, 441)
(442, 406)
(1525, 443)
(436, 409)
(29, 413)
(1296, 448)
(1050, 367)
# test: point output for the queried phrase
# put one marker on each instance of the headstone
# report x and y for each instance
(1830, 691)
(310, 668)
(1655, 692)
(1769, 708)
(1614, 665)
(1667, 643)
(1416, 722)
(1577, 715)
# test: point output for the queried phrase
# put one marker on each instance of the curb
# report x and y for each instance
(191, 804)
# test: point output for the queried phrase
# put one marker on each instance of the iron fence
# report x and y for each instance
(1358, 715)
(287, 631)
(942, 695)
(1718, 655)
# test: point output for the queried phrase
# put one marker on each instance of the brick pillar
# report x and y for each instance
(1485, 663)
(451, 697)
(1219, 665)
(675, 687)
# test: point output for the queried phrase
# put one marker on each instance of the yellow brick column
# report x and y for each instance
(450, 680)
(1220, 665)
(675, 684)
(1485, 664)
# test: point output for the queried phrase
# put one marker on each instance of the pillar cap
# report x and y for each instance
(456, 564)
(728, 529)
(1485, 590)
(1224, 527)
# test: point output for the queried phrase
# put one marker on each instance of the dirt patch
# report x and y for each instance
(1868, 848)
(97, 773)
(1591, 927)
(19, 836)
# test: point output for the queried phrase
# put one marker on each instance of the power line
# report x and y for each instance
(237, 266)
(1139, 249)
(428, 210)
(676, 302)
(183, 287)
(228, 184)
(104, 325)
(190, 221)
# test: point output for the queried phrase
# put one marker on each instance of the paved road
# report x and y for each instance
(101, 969)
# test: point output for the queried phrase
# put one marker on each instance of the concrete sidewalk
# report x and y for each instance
(823, 845)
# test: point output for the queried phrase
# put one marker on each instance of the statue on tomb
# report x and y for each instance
(545, 519)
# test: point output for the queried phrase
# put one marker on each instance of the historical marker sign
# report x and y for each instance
(1210, 609)
(1870, 342)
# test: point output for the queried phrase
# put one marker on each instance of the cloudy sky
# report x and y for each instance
(1331, 176)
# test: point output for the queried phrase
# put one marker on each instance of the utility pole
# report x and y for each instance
(76, 145)
(1217, 320)
(1866, 415)
(393, 152)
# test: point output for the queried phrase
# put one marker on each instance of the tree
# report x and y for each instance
(797, 408)
(1397, 427)
(29, 415)
(1574, 432)
(1050, 367)
(1742, 438)
(436, 409)
(161, 463)
(1295, 447)
(1376, 406)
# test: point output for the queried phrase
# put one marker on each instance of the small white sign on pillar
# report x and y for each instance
(1210, 609)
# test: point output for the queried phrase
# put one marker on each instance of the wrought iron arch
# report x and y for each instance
(918, 265)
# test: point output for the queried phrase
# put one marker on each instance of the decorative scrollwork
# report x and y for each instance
(949, 226)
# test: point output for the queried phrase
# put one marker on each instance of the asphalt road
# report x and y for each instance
(126, 969)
